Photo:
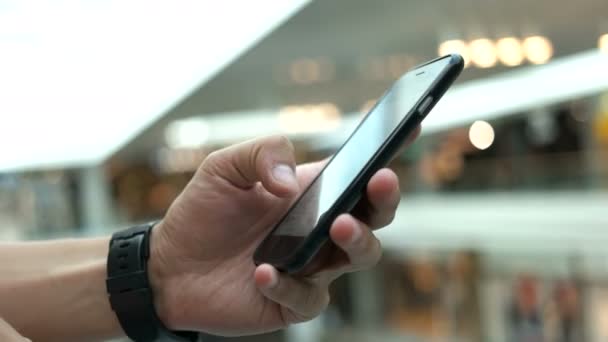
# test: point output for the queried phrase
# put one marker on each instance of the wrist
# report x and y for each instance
(159, 275)
(131, 287)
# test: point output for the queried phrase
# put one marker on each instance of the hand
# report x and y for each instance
(201, 266)
(8, 334)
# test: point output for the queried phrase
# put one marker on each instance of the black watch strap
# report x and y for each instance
(129, 291)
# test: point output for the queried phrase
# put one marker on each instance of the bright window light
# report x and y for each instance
(79, 79)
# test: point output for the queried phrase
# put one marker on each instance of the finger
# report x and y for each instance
(303, 298)
(7, 333)
(268, 160)
(379, 205)
(308, 171)
(357, 241)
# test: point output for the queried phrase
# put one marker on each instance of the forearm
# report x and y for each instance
(55, 291)
(23, 260)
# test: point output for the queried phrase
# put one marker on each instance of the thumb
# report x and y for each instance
(269, 160)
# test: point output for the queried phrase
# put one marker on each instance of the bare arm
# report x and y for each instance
(55, 290)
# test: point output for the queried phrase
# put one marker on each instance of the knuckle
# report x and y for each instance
(376, 257)
(272, 147)
(282, 141)
(317, 300)
(281, 289)
(213, 156)
(310, 298)
(210, 160)
(381, 218)
(374, 253)
(325, 300)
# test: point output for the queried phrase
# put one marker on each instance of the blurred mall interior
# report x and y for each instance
(107, 108)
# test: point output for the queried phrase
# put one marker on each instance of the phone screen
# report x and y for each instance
(350, 160)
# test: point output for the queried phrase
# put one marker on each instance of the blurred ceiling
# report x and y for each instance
(80, 79)
(348, 34)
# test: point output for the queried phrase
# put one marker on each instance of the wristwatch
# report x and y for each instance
(129, 289)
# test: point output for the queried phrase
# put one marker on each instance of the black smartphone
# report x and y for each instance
(304, 229)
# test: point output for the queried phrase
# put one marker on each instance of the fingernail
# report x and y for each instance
(284, 174)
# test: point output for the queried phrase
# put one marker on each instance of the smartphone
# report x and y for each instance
(304, 229)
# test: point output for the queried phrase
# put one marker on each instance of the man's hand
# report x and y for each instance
(8, 334)
(201, 265)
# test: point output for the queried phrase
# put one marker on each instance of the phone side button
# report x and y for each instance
(422, 109)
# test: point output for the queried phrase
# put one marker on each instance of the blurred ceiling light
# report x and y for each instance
(179, 160)
(538, 49)
(398, 64)
(455, 46)
(321, 117)
(602, 43)
(510, 51)
(367, 106)
(481, 134)
(374, 68)
(311, 70)
(305, 71)
(520, 91)
(483, 53)
(187, 133)
(390, 67)
(328, 69)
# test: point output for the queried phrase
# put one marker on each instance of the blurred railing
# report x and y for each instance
(39, 207)
(581, 170)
